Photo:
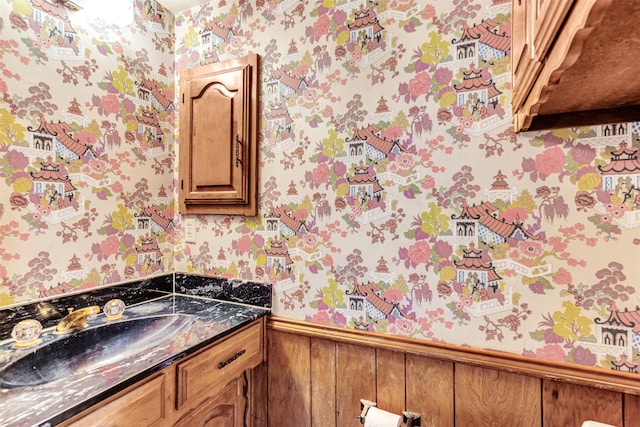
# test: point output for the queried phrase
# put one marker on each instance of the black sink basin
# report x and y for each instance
(91, 348)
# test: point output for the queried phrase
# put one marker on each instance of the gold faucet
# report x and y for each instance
(76, 319)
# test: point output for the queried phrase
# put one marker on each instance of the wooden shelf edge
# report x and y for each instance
(576, 374)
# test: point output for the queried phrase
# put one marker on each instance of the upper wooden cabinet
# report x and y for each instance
(574, 62)
(218, 146)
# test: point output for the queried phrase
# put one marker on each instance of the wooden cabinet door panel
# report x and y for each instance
(216, 135)
(223, 410)
(213, 131)
(218, 138)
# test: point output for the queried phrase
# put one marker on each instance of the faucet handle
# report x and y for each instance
(26, 333)
(113, 309)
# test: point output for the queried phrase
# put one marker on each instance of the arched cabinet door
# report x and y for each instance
(218, 166)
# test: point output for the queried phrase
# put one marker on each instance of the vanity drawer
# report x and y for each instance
(207, 372)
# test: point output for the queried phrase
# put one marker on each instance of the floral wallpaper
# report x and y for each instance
(394, 194)
(86, 165)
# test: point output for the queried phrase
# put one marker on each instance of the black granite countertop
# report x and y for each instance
(208, 320)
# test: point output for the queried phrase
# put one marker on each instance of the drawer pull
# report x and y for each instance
(231, 359)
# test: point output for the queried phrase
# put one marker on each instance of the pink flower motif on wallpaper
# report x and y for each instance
(403, 162)
(550, 161)
(583, 154)
(552, 352)
(530, 249)
(327, 261)
(320, 175)
(583, 356)
(308, 241)
(110, 104)
(614, 211)
(419, 253)
(17, 160)
(392, 132)
(321, 317)
(428, 182)
(243, 244)
(401, 327)
(321, 27)
(44, 210)
(562, 277)
(110, 246)
(393, 295)
(428, 12)
(356, 57)
(515, 213)
(419, 85)
(95, 167)
(308, 96)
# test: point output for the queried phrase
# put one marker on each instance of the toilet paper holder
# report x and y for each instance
(410, 419)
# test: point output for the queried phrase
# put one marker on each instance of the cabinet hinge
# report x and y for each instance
(182, 184)
(183, 97)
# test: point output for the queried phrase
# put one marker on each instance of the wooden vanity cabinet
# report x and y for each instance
(218, 144)
(208, 388)
(573, 63)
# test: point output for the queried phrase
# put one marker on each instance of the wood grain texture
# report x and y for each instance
(323, 383)
(258, 392)
(492, 398)
(289, 380)
(631, 411)
(355, 380)
(429, 390)
(346, 366)
(569, 405)
(390, 381)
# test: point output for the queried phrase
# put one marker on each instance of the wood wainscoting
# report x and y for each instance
(316, 376)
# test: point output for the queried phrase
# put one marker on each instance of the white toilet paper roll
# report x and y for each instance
(380, 418)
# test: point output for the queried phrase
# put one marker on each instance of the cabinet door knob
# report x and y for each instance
(238, 146)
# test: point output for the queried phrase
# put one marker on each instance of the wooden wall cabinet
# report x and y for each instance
(573, 63)
(218, 145)
(208, 388)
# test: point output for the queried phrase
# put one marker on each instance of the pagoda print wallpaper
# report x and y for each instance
(394, 195)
